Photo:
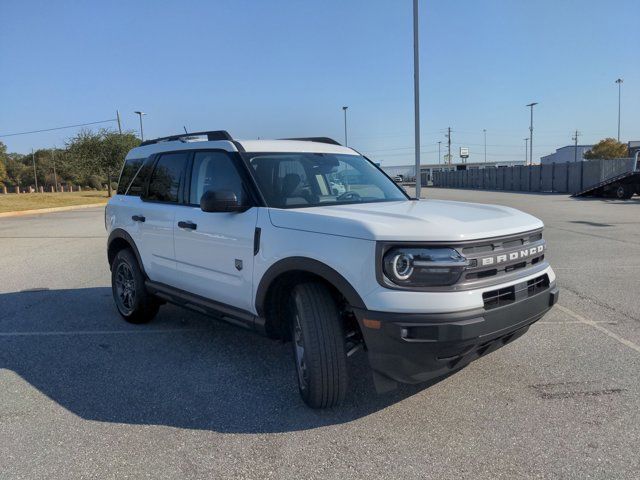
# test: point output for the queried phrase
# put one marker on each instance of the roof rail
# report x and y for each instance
(211, 136)
(315, 139)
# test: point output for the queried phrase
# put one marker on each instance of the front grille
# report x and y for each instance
(507, 295)
(492, 257)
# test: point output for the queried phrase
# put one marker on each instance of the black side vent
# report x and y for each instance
(537, 285)
(498, 298)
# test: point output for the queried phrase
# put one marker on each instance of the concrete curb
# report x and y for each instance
(50, 210)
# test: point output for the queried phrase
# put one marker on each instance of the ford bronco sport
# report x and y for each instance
(308, 241)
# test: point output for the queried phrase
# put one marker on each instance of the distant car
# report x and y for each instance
(309, 242)
(398, 179)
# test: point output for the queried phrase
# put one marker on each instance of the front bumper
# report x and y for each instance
(413, 347)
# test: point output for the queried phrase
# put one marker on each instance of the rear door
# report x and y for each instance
(155, 215)
(214, 250)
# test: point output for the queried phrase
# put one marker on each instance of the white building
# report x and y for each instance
(566, 154)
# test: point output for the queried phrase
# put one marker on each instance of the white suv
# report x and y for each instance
(309, 241)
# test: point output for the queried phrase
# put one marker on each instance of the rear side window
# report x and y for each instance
(131, 167)
(166, 180)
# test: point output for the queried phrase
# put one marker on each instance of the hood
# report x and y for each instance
(424, 220)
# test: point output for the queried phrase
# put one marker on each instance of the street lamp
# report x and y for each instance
(619, 82)
(439, 143)
(344, 109)
(531, 105)
(140, 114)
(416, 95)
(484, 130)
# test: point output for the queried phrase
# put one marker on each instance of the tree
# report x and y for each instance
(607, 149)
(100, 152)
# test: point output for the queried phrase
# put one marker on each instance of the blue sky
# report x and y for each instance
(281, 68)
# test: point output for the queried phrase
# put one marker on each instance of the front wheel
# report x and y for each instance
(318, 344)
(133, 301)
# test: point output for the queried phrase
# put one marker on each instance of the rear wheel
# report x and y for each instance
(133, 301)
(318, 344)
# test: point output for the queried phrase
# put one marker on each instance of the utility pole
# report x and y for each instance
(439, 143)
(140, 114)
(119, 124)
(531, 105)
(575, 139)
(55, 176)
(416, 95)
(448, 135)
(526, 142)
(345, 126)
(35, 174)
(484, 130)
(619, 82)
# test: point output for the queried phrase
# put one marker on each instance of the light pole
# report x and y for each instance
(439, 143)
(416, 95)
(619, 82)
(484, 130)
(531, 105)
(35, 174)
(526, 142)
(344, 109)
(140, 114)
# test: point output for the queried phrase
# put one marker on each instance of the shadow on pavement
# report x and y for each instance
(182, 370)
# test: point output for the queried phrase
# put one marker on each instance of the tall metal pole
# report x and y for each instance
(439, 143)
(119, 124)
(575, 148)
(484, 130)
(35, 174)
(531, 105)
(346, 144)
(526, 142)
(449, 143)
(416, 95)
(140, 114)
(619, 82)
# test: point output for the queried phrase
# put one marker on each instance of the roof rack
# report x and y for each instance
(315, 139)
(211, 136)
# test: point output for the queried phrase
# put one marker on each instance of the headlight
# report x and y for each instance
(424, 267)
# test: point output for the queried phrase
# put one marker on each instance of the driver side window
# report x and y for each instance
(214, 171)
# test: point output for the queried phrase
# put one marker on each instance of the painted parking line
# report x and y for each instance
(99, 332)
(599, 327)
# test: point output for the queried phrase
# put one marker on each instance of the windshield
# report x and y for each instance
(289, 180)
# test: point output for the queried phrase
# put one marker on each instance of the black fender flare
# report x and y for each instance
(308, 265)
(119, 233)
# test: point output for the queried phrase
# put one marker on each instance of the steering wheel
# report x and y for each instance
(349, 196)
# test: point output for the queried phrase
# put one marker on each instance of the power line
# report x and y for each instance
(58, 128)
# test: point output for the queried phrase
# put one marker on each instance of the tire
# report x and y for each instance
(132, 300)
(318, 346)
(623, 192)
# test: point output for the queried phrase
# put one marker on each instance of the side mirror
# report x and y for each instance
(221, 201)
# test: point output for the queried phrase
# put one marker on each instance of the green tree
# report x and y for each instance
(100, 153)
(607, 149)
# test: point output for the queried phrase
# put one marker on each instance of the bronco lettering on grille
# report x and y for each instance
(511, 256)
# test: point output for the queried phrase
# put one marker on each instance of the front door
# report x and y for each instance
(214, 251)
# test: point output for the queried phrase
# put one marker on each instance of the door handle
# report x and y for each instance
(187, 225)
(138, 218)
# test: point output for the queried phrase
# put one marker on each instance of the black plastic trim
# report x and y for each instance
(256, 240)
(328, 140)
(120, 233)
(212, 135)
(308, 265)
(222, 311)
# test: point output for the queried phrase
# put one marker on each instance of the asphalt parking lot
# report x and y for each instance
(85, 395)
